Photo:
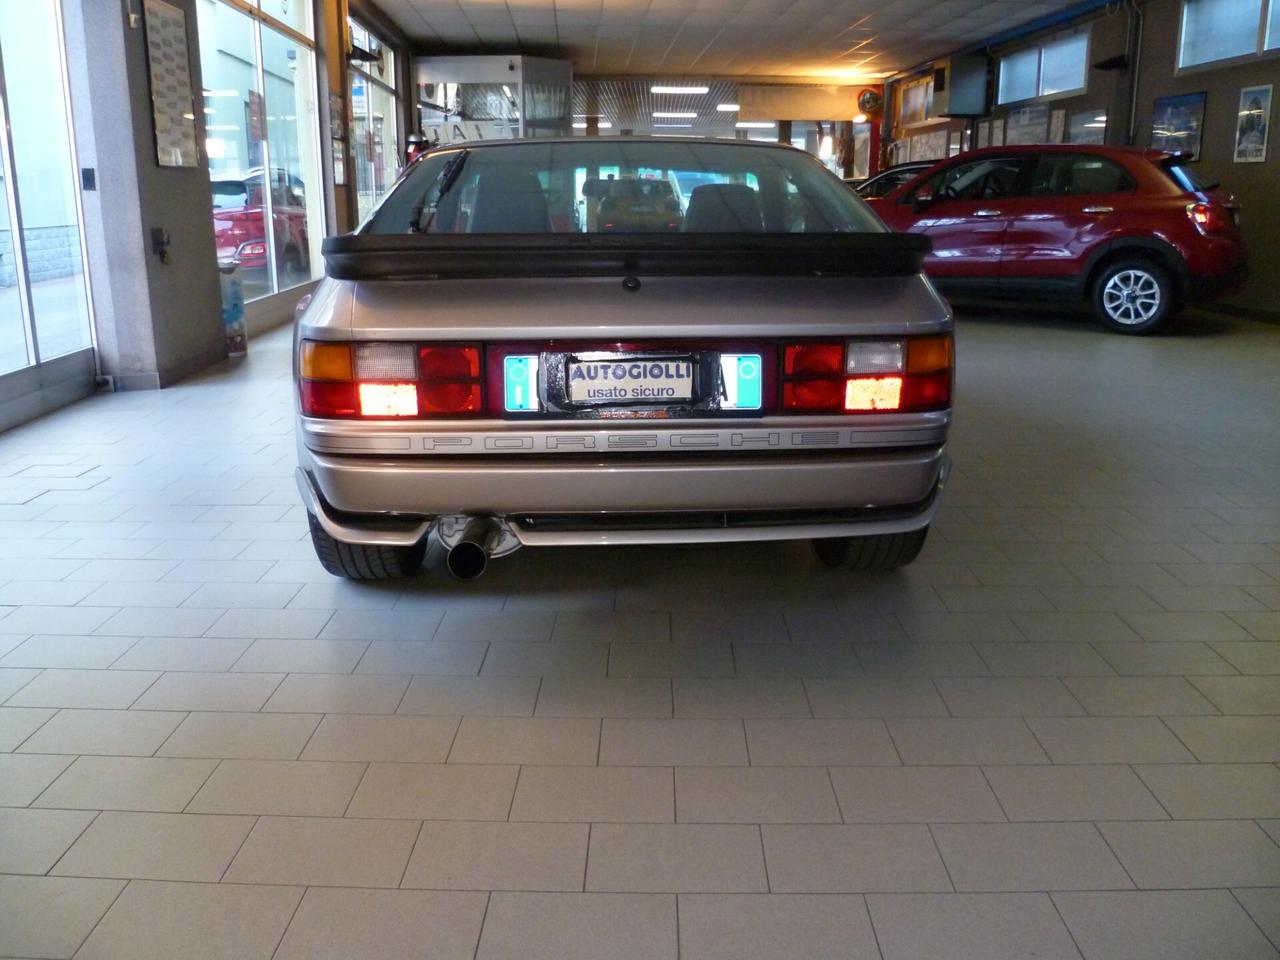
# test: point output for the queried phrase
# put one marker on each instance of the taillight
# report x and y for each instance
(1208, 218)
(254, 248)
(388, 380)
(867, 376)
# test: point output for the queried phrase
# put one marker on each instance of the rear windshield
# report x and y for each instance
(621, 187)
(1188, 179)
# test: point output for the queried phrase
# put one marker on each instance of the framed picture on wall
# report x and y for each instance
(1177, 123)
(1057, 125)
(984, 133)
(1252, 122)
(169, 70)
(997, 132)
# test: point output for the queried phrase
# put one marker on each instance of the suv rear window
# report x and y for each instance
(621, 187)
(1188, 179)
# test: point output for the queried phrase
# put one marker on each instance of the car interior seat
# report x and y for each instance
(509, 202)
(724, 208)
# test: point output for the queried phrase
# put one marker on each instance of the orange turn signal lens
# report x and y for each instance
(929, 354)
(326, 361)
(873, 393)
(388, 399)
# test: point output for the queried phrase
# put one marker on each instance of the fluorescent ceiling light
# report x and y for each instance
(727, 107)
(755, 124)
(602, 125)
(677, 115)
(662, 89)
(673, 124)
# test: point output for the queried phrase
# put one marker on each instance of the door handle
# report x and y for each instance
(986, 213)
(1098, 210)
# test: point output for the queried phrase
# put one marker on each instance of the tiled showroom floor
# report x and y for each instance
(1056, 735)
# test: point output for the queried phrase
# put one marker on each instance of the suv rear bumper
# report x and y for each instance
(571, 500)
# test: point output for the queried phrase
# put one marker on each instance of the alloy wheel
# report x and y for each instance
(1131, 297)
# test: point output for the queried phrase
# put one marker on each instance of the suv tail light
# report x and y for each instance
(1209, 218)
(867, 376)
(388, 380)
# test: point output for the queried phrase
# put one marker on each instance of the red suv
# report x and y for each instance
(1136, 233)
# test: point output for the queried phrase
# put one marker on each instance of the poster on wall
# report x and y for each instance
(172, 106)
(1027, 125)
(1177, 123)
(1088, 126)
(997, 132)
(1252, 121)
(1057, 125)
(984, 133)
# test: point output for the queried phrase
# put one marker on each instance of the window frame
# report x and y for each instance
(1086, 30)
(1260, 50)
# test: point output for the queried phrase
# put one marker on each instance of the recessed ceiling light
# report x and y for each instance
(678, 115)
(673, 125)
(727, 107)
(602, 125)
(755, 124)
(662, 89)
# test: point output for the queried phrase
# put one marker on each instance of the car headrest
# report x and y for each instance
(509, 202)
(724, 208)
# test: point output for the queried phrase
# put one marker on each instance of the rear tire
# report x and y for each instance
(884, 551)
(357, 561)
(1133, 295)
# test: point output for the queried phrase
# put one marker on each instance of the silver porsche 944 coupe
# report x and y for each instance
(620, 340)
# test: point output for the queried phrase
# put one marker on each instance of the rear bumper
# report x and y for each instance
(571, 500)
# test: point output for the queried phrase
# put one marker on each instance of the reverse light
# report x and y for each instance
(873, 393)
(388, 399)
(867, 376)
(388, 380)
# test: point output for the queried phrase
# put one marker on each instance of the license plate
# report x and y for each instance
(629, 380)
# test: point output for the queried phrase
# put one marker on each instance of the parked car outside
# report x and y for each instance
(889, 178)
(239, 225)
(1137, 234)
(479, 367)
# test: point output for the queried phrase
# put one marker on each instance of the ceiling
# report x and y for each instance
(849, 40)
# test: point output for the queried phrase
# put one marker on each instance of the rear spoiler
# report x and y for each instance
(412, 256)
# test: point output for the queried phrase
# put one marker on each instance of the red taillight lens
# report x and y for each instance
(813, 360)
(928, 391)
(328, 399)
(814, 395)
(451, 381)
(1208, 218)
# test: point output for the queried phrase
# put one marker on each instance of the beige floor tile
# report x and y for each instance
(670, 742)
(92, 653)
(328, 693)
(1152, 658)
(1195, 853)
(156, 846)
(970, 926)
(472, 696)
(920, 660)
(965, 740)
(462, 855)
(679, 858)
(1260, 626)
(396, 625)
(495, 627)
(23, 777)
(51, 916)
(390, 738)
(299, 788)
(1229, 739)
(880, 697)
(636, 626)
(1263, 906)
(19, 723)
(1007, 697)
(127, 783)
(210, 691)
(852, 859)
(597, 794)
(31, 841)
(735, 926)
(796, 660)
(301, 656)
(925, 627)
(743, 697)
(422, 656)
(1074, 627)
(1162, 925)
(435, 791)
(182, 653)
(546, 659)
(1242, 695)
(1138, 696)
(110, 732)
(1108, 740)
(383, 925)
(1033, 659)
(86, 689)
(755, 795)
(539, 740)
(689, 659)
(572, 697)
(196, 921)
(914, 795)
(1055, 793)
(579, 926)
(781, 743)
(1260, 657)
(738, 626)
(1190, 626)
(325, 852)
(1011, 857)
(1215, 791)
(242, 736)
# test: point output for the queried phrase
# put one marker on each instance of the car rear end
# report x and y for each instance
(527, 388)
(1207, 233)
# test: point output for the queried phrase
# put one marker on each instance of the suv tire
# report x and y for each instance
(1133, 295)
(357, 561)
(884, 551)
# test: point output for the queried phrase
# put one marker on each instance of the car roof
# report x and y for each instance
(628, 138)
(1091, 148)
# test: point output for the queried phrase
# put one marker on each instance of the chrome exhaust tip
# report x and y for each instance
(469, 556)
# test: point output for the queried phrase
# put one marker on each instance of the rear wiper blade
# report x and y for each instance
(425, 215)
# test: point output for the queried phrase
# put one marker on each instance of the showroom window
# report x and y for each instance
(375, 110)
(1051, 69)
(44, 301)
(1225, 29)
(262, 139)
